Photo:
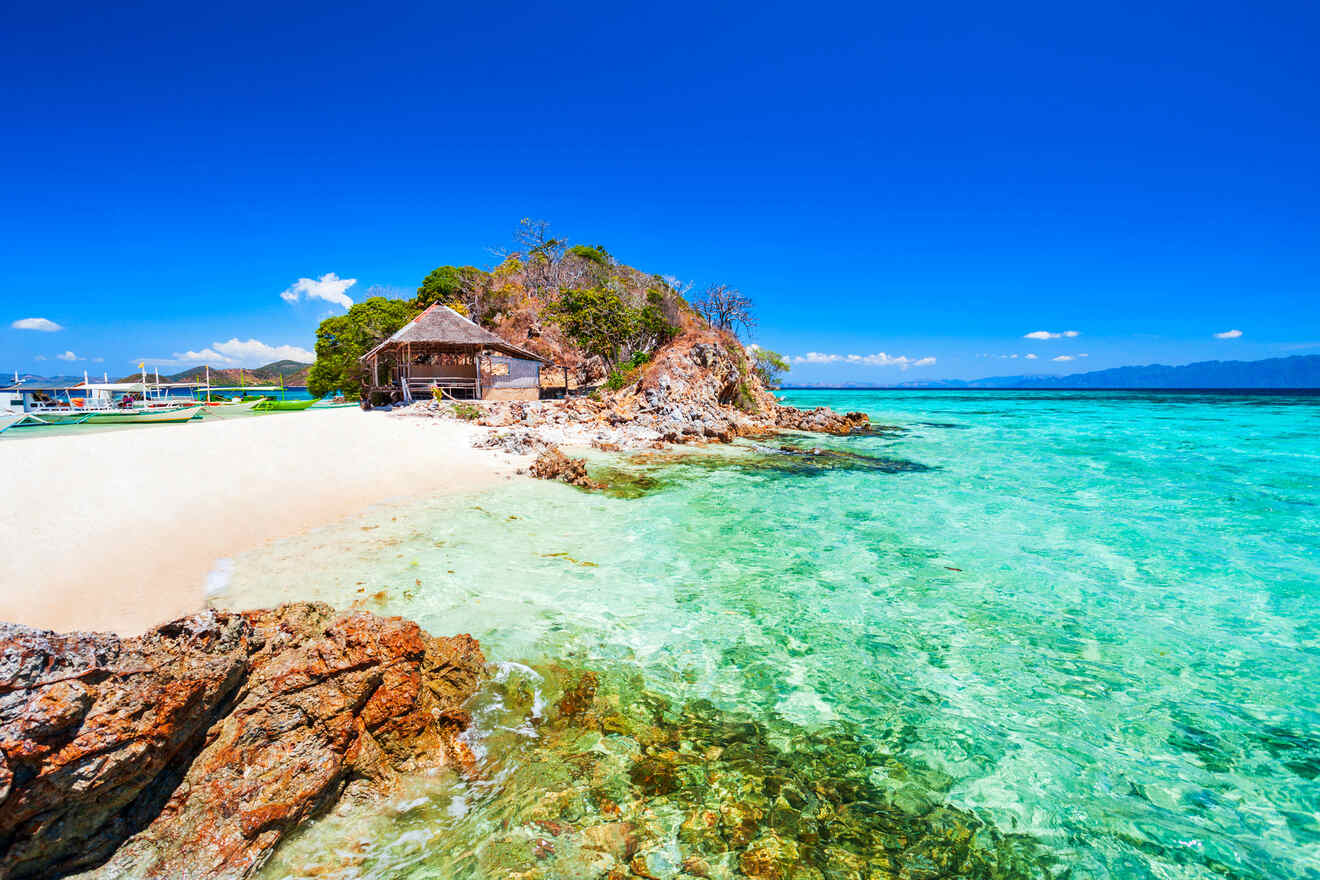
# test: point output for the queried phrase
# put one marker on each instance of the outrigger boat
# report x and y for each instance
(9, 420)
(159, 415)
(229, 409)
(35, 404)
(285, 405)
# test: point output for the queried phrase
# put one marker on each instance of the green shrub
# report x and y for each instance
(743, 399)
(467, 411)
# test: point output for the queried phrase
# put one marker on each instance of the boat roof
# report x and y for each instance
(107, 386)
(39, 386)
(244, 387)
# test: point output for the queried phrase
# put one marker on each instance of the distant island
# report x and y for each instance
(274, 373)
(290, 373)
(1298, 371)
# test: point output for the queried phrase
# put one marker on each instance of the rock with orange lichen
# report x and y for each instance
(192, 750)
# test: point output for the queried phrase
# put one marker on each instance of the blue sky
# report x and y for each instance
(915, 181)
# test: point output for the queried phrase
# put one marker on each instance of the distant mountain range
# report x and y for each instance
(288, 372)
(1298, 371)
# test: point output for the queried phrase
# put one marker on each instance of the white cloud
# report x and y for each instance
(1063, 357)
(68, 356)
(40, 357)
(1228, 334)
(879, 359)
(1030, 357)
(236, 352)
(329, 287)
(45, 325)
(1083, 355)
(1045, 334)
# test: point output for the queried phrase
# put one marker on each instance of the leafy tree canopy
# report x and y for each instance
(593, 253)
(343, 339)
(449, 285)
(599, 321)
(770, 366)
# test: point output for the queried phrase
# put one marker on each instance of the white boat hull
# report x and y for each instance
(145, 417)
(229, 410)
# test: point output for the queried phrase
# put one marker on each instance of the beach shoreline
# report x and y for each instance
(120, 531)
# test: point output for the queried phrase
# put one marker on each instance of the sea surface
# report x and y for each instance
(1017, 634)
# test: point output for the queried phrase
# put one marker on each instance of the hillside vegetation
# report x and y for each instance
(576, 306)
(274, 373)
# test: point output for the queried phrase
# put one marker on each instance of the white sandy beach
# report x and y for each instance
(118, 530)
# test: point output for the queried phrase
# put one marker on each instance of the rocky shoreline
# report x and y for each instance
(698, 390)
(193, 750)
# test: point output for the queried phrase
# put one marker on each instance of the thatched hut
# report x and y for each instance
(442, 349)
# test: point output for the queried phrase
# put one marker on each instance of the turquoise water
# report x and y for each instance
(1086, 620)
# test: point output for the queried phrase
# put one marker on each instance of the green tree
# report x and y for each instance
(462, 288)
(595, 318)
(770, 366)
(598, 320)
(343, 339)
(593, 253)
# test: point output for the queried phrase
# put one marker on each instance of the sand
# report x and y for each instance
(118, 531)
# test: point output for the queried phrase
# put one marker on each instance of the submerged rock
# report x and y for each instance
(191, 751)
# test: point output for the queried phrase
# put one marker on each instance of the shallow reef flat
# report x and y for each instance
(590, 775)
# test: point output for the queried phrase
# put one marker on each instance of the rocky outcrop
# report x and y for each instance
(699, 388)
(189, 752)
(703, 387)
(822, 420)
(554, 465)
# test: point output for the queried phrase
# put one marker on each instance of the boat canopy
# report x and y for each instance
(244, 387)
(108, 386)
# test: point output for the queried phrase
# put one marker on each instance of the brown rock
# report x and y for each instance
(618, 839)
(696, 866)
(552, 464)
(769, 858)
(203, 742)
(578, 697)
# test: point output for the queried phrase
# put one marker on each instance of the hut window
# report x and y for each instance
(498, 368)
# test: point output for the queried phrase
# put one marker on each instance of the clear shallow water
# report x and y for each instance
(1089, 619)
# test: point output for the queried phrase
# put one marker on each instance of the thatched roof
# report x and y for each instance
(444, 326)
